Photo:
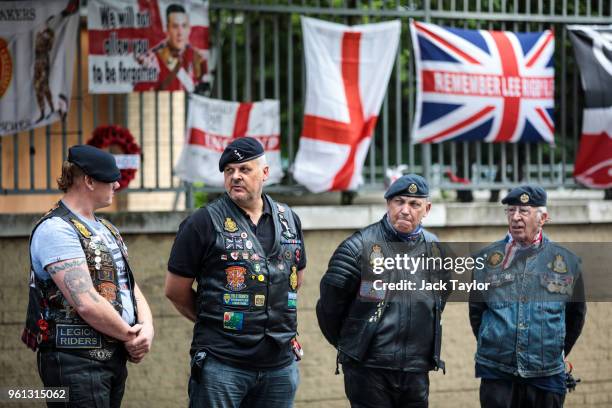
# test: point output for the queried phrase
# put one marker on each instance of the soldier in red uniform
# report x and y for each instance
(181, 66)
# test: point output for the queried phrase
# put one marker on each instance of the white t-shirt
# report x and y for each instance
(55, 240)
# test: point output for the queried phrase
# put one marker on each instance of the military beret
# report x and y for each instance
(240, 150)
(94, 162)
(526, 195)
(411, 185)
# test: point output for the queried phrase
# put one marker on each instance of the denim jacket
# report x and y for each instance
(520, 321)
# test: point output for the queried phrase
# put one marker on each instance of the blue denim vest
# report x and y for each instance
(522, 331)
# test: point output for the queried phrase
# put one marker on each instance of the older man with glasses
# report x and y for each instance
(529, 319)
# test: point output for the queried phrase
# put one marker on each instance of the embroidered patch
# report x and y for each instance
(285, 226)
(235, 277)
(298, 255)
(292, 300)
(367, 291)
(236, 299)
(77, 336)
(230, 225)
(376, 254)
(556, 283)
(293, 278)
(495, 258)
(107, 274)
(81, 228)
(260, 300)
(233, 320)
(234, 243)
(108, 291)
(558, 265)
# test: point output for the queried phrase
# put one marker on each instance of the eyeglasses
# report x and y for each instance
(523, 211)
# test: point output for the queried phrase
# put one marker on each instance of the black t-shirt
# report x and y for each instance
(192, 247)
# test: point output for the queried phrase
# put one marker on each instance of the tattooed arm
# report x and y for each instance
(72, 278)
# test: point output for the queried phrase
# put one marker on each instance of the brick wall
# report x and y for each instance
(161, 379)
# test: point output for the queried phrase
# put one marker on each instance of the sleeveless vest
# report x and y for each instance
(243, 293)
(51, 322)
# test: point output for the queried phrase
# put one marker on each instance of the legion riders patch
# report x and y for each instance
(235, 277)
(230, 225)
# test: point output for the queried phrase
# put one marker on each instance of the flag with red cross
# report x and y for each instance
(347, 71)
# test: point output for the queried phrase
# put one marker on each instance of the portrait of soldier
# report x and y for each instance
(180, 65)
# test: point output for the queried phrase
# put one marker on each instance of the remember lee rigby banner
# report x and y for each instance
(212, 124)
(37, 50)
(137, 45)
(492, 86)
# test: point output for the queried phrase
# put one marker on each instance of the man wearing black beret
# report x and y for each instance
(387, 342)
(86, 315)
(246, 253)
(530, 317)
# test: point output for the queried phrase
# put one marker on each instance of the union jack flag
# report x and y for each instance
(494, 86)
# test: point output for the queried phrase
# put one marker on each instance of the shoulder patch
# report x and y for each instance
(81, 228)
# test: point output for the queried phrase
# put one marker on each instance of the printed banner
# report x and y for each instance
(493, 86)
(593, 50)
(212, 124)
(137, 45)
(347, 71)
(37, 49)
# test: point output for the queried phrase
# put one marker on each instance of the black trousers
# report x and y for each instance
(91, 383)
(511, 394)
(368, 387)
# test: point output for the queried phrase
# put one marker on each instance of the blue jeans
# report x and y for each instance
(91, 383)
(223, 386)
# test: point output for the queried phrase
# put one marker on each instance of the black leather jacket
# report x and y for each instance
(402, 335)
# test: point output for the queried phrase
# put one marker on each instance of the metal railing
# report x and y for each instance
(258, 54)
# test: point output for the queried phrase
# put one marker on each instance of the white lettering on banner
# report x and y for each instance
(127, 161)
(488, 85)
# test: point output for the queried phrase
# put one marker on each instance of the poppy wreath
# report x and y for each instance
(111, 135)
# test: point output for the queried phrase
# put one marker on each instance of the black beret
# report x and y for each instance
(94, 162)
(526, 195)
(240, 150)
(411, 185)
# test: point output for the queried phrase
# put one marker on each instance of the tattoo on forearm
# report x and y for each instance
(66, 265)
(77, 282)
